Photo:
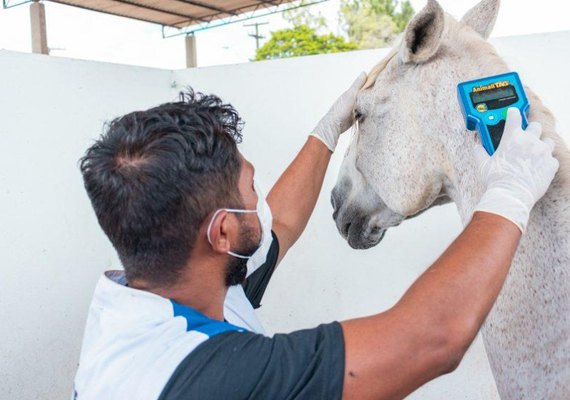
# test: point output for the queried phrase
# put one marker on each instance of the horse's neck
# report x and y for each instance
(527, 335)
(550, 219)
(551, 214)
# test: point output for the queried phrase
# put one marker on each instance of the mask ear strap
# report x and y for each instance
(232, 210)
(211, 223)
(231, 253)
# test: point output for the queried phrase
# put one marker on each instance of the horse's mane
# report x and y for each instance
(378, 68)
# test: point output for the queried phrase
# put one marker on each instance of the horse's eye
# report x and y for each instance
(358, 116)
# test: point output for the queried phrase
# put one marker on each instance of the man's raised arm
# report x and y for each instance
(295, 194)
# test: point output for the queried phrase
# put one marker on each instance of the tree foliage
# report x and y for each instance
(301, 40)
(367, 23)
(305, 15)
(400, 11)
(375, 23)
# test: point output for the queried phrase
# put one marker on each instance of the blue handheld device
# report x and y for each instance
(485, 102)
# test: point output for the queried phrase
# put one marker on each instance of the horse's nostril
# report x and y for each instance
(335, 208)
(346, 228)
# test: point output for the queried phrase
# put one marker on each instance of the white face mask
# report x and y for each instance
(258, 258)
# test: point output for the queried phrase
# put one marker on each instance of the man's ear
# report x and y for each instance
(482, 17)
(219, 234)
(423, 34)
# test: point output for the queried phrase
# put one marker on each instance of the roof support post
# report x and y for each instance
(191, 54)
(38, 24)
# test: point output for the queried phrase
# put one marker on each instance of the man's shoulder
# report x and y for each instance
(134, 340)
(307, 364)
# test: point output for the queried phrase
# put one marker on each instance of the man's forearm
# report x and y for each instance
(460, 288)
(295, 194)
(427, 332)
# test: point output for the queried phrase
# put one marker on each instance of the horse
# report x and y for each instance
(411, 151)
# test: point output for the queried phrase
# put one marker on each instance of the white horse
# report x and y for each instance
(411, 151)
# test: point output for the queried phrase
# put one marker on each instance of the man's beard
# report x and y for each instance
(236, 270)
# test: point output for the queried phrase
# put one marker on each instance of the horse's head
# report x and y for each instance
(407, 114)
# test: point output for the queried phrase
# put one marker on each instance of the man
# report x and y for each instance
(193, 231)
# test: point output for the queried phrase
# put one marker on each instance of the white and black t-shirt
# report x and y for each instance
(138, 345)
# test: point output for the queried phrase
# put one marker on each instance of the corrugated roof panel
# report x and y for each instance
(176, 13)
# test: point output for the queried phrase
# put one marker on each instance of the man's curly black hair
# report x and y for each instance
(154, 176)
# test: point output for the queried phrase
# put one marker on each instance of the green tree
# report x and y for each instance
(305, 15)
(400, 11)
(374, 23)
(301, 40)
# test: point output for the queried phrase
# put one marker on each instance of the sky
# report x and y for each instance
(77, 33)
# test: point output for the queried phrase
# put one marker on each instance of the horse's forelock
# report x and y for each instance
(378, 68)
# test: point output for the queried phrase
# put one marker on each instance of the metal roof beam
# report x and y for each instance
(189, 30)
(13, 3)
(271, 2)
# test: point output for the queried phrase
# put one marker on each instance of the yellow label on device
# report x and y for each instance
(491, 86)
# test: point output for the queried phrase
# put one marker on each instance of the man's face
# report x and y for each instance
(250, 228)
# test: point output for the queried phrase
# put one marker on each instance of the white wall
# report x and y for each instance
(52, 250)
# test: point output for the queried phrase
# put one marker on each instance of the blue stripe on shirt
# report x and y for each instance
(196, 321)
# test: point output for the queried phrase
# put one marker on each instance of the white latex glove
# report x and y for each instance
(340, 117)
(519, 172)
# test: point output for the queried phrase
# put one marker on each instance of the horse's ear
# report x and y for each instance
(424, 34)
(482, 17)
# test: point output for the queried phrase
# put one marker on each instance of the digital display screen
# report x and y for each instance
(493, 94)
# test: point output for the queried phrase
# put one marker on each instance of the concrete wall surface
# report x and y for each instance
(51, 247)
(52, 250)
